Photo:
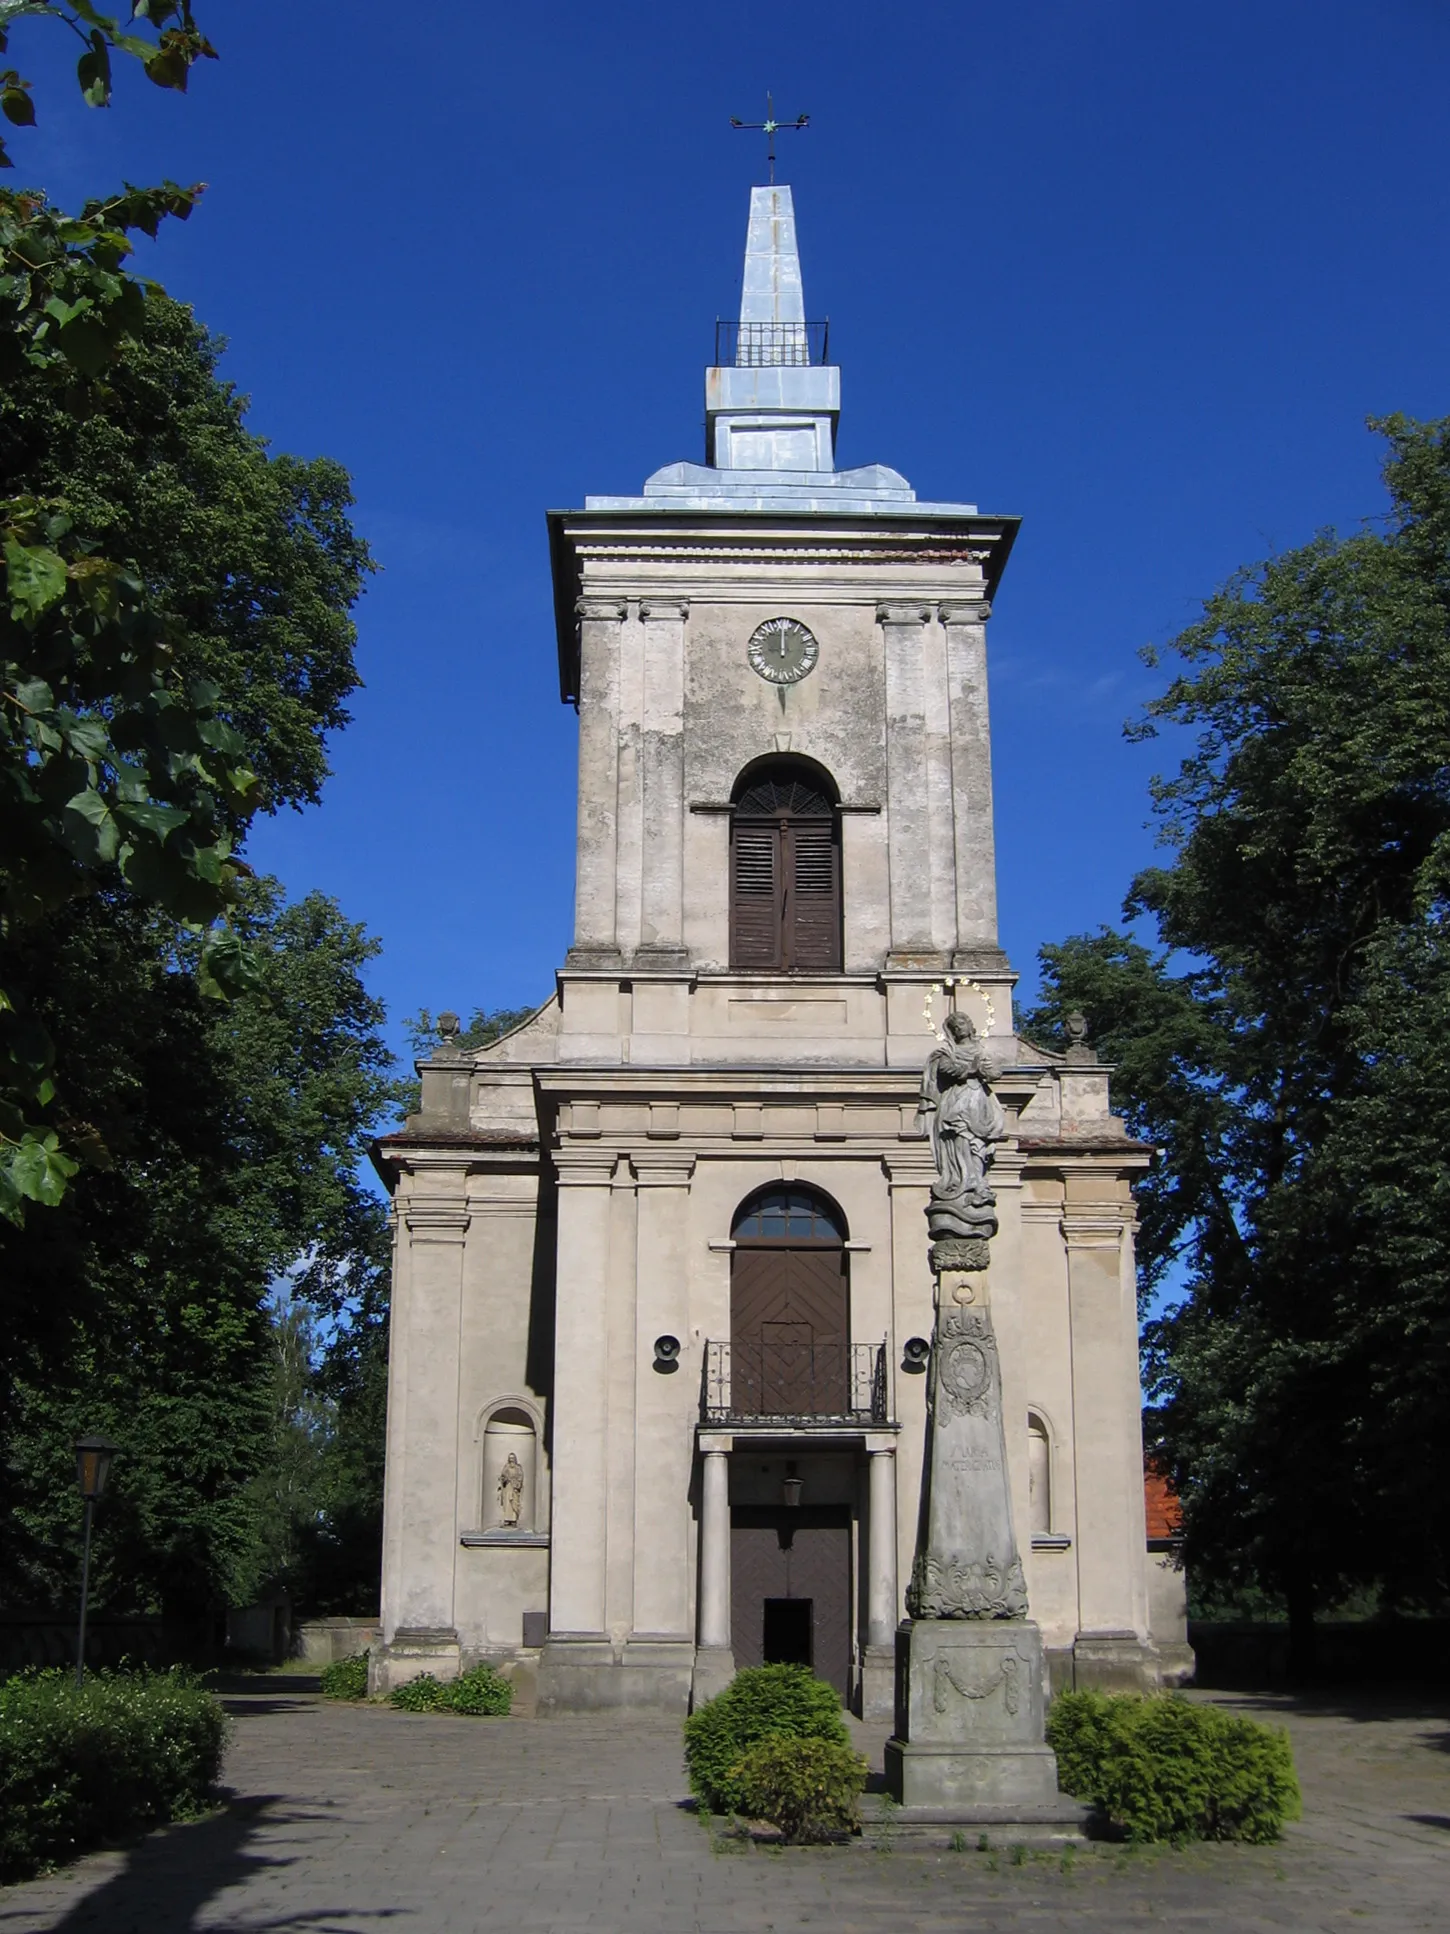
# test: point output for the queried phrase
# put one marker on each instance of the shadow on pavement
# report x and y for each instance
(170, 1876)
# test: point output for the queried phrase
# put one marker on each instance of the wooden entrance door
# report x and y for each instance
(790, 1589)
(790, 1314)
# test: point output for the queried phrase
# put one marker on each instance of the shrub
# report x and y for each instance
(346, 1678)
(480, 1691)
(423, 1694)
(809, 1788)
(129, 1750)
(1165, 1768)
(785, 1701)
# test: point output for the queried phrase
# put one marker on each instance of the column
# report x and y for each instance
(907, 830)
(580, 1410)
(715, 1551)
(965, 626)
(881, 1601)
(596, 942)
(1110, 1650)
(664, 1405)
(420, 1516)
(662, 760)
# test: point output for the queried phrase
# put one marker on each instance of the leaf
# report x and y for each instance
(88, 830)
(35, 1168)
(17, 106)
(87, 345)
(228, 966)
(93, 71)
(35, 578)
(152, 818)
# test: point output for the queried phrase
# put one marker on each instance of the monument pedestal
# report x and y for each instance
(969, 1720)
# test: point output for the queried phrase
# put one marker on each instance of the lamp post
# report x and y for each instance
(93, 1462)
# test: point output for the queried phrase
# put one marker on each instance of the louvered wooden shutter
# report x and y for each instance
(757, 893)
(813, 907)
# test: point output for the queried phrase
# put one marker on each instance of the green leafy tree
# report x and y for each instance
(1278, 1048)
(141, 1306)
(116, 765)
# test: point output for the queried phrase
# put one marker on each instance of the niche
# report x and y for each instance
(1039, 1476)
(510, 1471)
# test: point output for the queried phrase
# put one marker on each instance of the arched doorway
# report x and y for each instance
(790, 1306)
(785, 869)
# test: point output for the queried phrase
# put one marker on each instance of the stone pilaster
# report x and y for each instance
(965, 626)
(1112, 1649)
(907, 829)
(661, 1648)
(420, 1512)
(662, 761)
(596, 942)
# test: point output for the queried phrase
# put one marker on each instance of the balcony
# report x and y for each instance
(794, 1385)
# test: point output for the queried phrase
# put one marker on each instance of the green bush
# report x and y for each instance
(129, 1750)
(809, 1788)
(1166, 1768)
(765, 1701)
(478, 1691)
(423, 1694)
(346, 1678)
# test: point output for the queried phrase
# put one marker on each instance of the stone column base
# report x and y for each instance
(408, 1654)
(714, 1669)
(1177, 1663)
(1114, 1662)
(878, 1682)
(581, 1672)
(969, 1716)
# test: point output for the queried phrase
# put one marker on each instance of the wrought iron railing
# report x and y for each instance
(794, 1383)
(767, 345)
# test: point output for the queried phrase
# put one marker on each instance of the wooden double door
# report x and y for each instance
(790, 1589)
(790, 1327)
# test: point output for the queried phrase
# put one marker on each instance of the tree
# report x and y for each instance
(1301, 1384)
(115, 766)
(140, 1306)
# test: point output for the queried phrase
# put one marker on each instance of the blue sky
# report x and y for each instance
(1134, 271)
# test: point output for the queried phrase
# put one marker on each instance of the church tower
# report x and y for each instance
(661, 1285)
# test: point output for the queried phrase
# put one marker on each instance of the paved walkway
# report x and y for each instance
(352, 1820)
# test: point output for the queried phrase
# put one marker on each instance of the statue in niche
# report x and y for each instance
(510, 1493)
(966, 1118)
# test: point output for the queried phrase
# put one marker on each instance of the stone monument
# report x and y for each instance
(969, 1677)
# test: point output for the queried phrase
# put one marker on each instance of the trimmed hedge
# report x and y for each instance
(809, 1788)
(481, 1691)
(130, 1750)
(346, 1678)
(1163, 1767)
(765, 1701)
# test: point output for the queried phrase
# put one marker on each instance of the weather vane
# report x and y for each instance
(768, 127)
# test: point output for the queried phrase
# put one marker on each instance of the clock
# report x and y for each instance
(782, 650)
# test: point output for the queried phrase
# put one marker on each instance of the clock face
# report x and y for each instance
(782, 650)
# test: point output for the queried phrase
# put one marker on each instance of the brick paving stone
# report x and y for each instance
(360, 1820)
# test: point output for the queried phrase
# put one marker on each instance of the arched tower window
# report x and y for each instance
(790, 1314)
(785, 869)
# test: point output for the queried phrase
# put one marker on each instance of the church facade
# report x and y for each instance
(661, 1298)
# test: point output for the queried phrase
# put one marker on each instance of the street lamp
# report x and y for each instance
(93, 1463)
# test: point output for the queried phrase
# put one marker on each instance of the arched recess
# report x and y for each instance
(510, 1469)
(1039, 1475)
(785, 868)
(790, 1305)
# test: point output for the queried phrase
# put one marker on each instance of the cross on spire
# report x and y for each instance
(769, 127)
